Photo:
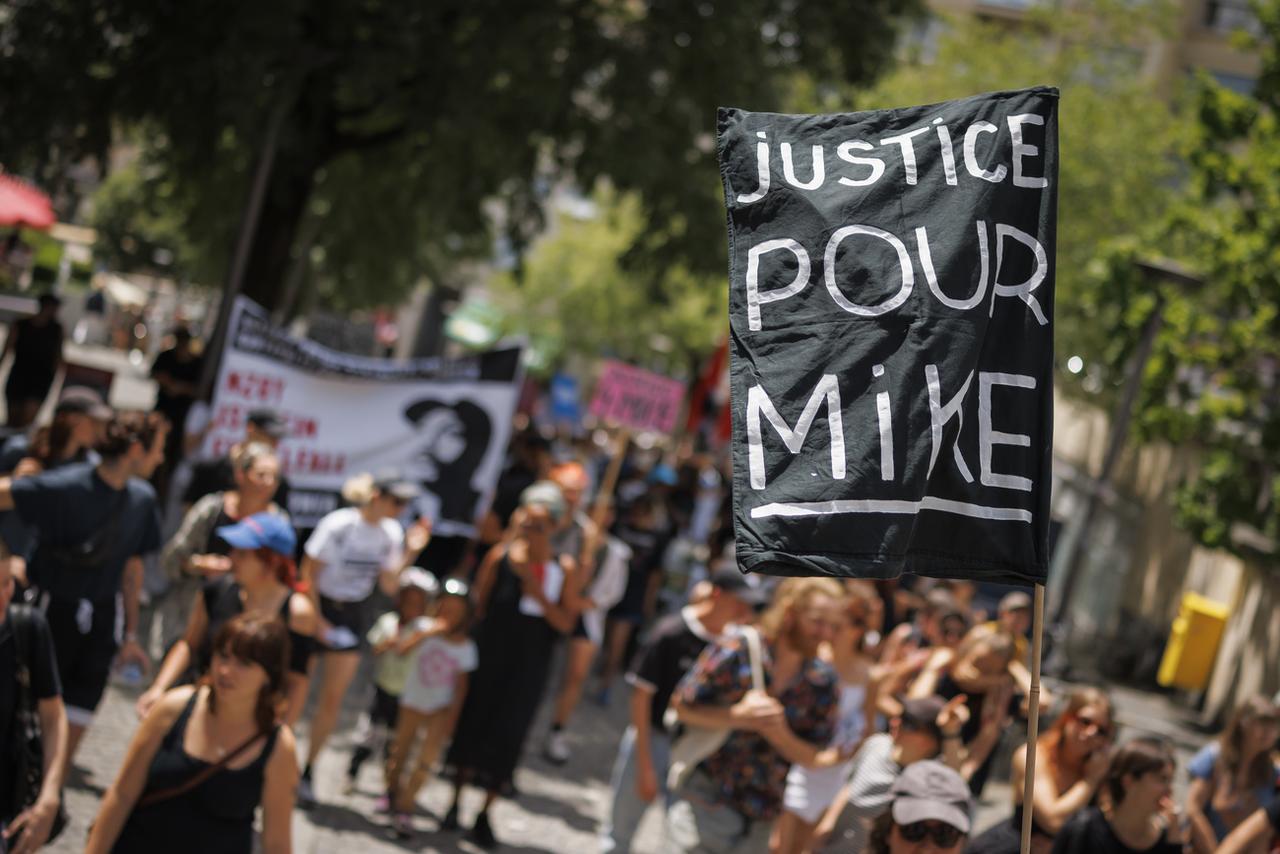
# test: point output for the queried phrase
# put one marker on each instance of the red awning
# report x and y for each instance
(23, 205)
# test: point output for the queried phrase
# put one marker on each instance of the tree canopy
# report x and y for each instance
(1120, 136)
(578, 297)
(404, 127)
(1214, 377)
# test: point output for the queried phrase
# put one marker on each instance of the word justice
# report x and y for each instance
(1024, 290)
(876, 168)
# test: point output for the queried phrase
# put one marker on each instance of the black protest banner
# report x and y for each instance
(891, 277)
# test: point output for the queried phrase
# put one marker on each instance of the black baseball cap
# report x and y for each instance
(930, 791)
(269, 421)
(748, 588)
(85, 401)
(921, 714)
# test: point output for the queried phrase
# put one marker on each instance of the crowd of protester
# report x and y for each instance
(787, 716)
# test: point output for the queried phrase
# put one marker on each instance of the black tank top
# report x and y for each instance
(216, 817)
(222, 602)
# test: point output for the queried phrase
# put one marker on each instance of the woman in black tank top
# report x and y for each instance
(206, 757)
(261, 582)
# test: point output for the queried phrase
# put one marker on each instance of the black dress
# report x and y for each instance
(216, 817)
(505, 690)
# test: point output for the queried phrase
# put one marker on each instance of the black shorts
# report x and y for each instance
(580, 629)
(356, 616)
(85, 639)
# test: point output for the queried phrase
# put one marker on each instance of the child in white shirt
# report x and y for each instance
(436, 685)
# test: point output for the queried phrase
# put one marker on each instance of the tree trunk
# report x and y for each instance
(271, 255)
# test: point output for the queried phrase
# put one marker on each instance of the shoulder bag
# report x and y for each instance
(162, 795)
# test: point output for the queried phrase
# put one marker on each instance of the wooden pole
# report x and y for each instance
(1033, 719)
(611, 474)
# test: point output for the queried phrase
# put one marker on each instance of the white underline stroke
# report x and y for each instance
(874, 505)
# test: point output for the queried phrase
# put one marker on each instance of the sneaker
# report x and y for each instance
(306, 794)
(557, 748)
(382, 805)
(482, 834)
(450, 822)
(402, 825)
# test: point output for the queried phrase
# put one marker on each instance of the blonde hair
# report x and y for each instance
(793, 594)
(247, 457)
(359, 490)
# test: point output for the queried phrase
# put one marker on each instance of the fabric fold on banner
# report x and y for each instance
(891, 338)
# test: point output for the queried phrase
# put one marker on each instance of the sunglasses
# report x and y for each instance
(1087, 724)
(942, 834)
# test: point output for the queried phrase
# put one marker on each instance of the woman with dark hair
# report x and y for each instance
(455, 438)
(207, 756)
(1138, 814)
(526, 598)
(1072, 757)
(262, 581)
(1235, 775)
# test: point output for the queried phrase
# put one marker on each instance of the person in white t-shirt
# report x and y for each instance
(434, 690)
(351, 552)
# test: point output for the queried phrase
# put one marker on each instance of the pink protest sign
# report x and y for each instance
(636, 398)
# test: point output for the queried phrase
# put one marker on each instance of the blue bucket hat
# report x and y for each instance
(261, 530)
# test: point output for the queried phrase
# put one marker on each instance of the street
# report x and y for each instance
(557, 808)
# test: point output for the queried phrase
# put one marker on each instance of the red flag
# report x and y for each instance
(714, 374)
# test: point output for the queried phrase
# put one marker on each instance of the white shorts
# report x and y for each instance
(811, 790)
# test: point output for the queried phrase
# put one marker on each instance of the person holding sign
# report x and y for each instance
(731, 798)
(352, 551)
(527, 599)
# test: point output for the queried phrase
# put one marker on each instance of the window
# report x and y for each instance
(1235, 82)
(1228, 16)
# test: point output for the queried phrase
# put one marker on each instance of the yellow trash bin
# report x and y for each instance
(1193, 643)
